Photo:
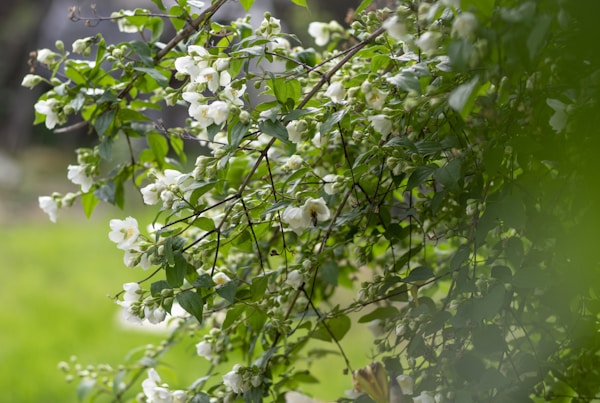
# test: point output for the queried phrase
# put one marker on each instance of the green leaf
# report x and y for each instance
(176, 273)
(159, 146)
(338, 327)
(192, 303)
(462, 98)
(488, 340)
(247, 4)
(259, 286)
(331, 120)
(88, 202)
(103, 122)
(286, 89)
(84, 388)
(237, 133)
(106, 192)
(105, 148)
(363, 5)
(227, 290)
(488, 306)
(420, 175)
(329, 272)
(419, 274)
(301, 3)
(275, 129)
(384, 312)
(142, 50)
(155, 74)
(159, 4)
(450, 175)
(158, 286)
(233, 314)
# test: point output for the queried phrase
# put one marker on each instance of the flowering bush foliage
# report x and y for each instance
(413, 158)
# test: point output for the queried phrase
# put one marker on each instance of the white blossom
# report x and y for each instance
(395, 28)
(375, 98)
(424, 397)
(233, 95)
(381, 123)
(122, 23)
(406, 384)
(82, 46)
(234, 380)
(335, 92)
(428, 42)
(132, 295)
(221, 64)
(322, 31)
(154, 313)
(464, 25)
(79, 176)
(316, 210)
(219, 112)
(293, 163)
(210, 77)
(46, 56)
(204, 349)
(296, 219)
(31, 80)
(49, 206)
(376, 327)
(179, 396)
(330, 182)
(49, 108)
(295, 279)
(124, 233)
(295, 129)
(150, 193)
(220, 278)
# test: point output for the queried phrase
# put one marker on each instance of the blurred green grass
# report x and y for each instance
(54, 302)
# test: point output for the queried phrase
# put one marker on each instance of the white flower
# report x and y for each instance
(295, 218)
(219, 112)
(234, 381)
(149, 384)
(132, 295)
(295, 129)
(150, 194)
(295, 279)
(293, 163)
(381, 123)
(179, 396)
(122, 22)
(376, 327)
(451, 3)
(316, 210)
(154, 313)
(82, 46)
(233, 95)
(428, 42)
(220, 278)
(335, 92)
(322, 31)
(46, 56)
(133, 258)
(49, 108)
(395, 28)
(188, 66)
(558, 121)
(464, 25)
(78, 175)
(204, 349)
(31, 80)
(406, 384)
(297, 397)
(124, 233)
(319, 31)
(209, 76)
(159, 394)
(330, 182)
(375, 98)
(424, 397)
(400, 329)
(49, 206)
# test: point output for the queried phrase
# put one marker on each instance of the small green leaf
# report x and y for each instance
(192, 303)
(176, 273)
(158, 286)
(363, 5)
(103, 122)
(420, 175)
(331, 120)
(155, 74)
(142, 50)
(450, 175)
(275, 129)
(301, 3)
(159, 146)
(237, 133)
(227, 290)
(419, 274)
(462, 98)
(88, 202)
(384, 312)
(329, 272)
(106, 192)
(159, 4)
(247, 4)
(336, 327)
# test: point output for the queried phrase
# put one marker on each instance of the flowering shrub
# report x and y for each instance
(412, 159)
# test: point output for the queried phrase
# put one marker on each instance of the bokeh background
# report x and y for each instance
(56, 279)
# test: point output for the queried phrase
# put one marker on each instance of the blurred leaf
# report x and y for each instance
(227, 291)
(88, 202)
(384, 312)
(275, 129)
(418, 275)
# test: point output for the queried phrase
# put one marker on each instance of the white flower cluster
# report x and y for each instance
(240, 379)
(135, 309)
(156, 392)
(322, 31)
(301, 218)
(208, 72)
(126, 234)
